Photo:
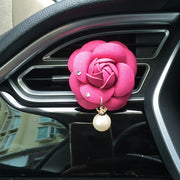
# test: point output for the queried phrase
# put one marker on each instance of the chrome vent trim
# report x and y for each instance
(55, 96)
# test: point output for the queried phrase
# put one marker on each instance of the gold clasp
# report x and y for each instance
(101, 110)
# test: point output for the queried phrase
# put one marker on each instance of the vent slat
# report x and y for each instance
(58, 82)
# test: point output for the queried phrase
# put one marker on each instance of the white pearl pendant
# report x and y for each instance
(101, 122)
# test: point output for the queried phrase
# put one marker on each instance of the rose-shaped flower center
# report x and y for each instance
(102, 73)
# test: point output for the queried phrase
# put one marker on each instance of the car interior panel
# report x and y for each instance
(46, 131)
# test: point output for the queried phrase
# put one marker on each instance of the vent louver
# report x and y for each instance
(46, 78)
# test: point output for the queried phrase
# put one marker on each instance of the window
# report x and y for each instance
(47, 133)
(15, 123)
(20, 161)
(13, 120)
(11, 124)
(6, 125)
(10, 113)
(47, 120)
(8, 141)
(1, 140)
(15, 112)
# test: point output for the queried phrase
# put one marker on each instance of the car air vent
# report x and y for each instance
(46, 78)
(144, 44)
(49, 78)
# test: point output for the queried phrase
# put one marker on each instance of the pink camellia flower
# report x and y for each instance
(102, 70)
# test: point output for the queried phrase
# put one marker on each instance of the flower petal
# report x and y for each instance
(86, 104)
(116, 103)
(109, 82)
(95, 81)
(71, 59)
(125, 81)
(105, 60)
(75, 85)
(105, 75)
(110, 50)
(98, 75)
(81, 64)
(102, 65)
(96, 69)
(113, 68)
(121, 44)
(90, 46)
(93, 94)
(131, 61)
(92, 67)
(130, 58)
(108, 69)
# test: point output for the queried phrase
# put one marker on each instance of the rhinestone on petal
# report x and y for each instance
(78, 73)
(87, 94)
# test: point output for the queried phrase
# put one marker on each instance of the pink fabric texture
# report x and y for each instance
(102, 70)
